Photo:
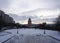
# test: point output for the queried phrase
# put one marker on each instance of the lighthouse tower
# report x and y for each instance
(29, 22)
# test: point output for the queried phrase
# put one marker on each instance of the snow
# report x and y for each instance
(29, 36)
(3, 33)
(26, 31)
(55, 34)
(32, 39)
(30, 31)
(3, 38)
(13, 31)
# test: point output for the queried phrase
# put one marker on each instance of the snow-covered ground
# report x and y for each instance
(32, 39)
(29, 36)
(5, 37)
(55, 34)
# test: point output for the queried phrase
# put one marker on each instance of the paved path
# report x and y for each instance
(32, 39)
(29, 36)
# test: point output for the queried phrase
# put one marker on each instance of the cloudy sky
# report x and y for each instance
(38, 10)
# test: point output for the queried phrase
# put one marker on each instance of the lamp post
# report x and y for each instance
(44, 26)
(44, 30)
(17, 27)
(17, 30)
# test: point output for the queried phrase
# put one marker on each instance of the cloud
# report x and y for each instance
(22, 17)
(18, 6)
(42, 12)
(4, 3)
(35, 19)
(36, 9)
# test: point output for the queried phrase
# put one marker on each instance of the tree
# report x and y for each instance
(44, 25)
(58, 23)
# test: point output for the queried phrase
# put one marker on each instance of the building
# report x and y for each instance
(29, 22)
(5, 18)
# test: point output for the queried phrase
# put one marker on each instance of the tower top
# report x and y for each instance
(29, 19)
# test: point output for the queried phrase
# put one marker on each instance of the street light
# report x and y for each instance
(17, 30)
(44, 26)
(17, 27)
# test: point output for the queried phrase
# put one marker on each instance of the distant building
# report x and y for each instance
(29, 22)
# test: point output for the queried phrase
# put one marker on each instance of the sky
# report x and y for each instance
(38, 10)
